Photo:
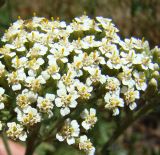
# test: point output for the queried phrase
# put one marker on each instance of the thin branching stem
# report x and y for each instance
(128, 122)
(6, 144)
(32, 140)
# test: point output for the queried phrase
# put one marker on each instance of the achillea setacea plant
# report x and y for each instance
(69, 74)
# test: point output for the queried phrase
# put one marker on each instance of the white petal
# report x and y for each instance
(58, 102)
(61, 92)
(31, 73)
(137, 95)
(45, 75)
(107, 97)
(73, 104)
(86, 125)
(65, 111)
(144, 86)
(92, 111)
(56, 76)
(109, 64)
(59, 137)
(74, 124)
(92, 151)
(40, 61)
(115, 111)
(2, 91)
(42, 80)
(83, 138)
(23, 136)
(21, 49)
(88, 81)
(132, 106)
(64, 60)
(63, 24)
(70, 141)
(1, 105)
(51, 97)
(29, 79)
(103, 79)
(16, 87)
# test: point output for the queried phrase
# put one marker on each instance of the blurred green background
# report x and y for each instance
(139, 18)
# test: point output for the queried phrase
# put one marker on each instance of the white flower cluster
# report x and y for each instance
(48, 65)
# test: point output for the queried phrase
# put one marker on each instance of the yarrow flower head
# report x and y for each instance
(89, 118)
(55, 71)
(113, 102)
(86, 145)
(69, 131)
(16, 131)
(46, 104)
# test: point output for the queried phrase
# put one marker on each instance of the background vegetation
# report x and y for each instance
(139, 18)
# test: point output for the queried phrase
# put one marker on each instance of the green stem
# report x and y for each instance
(53, 130)
(32, 140)
(5, 142)
(118, 132)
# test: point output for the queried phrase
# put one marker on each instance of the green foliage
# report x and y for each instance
(48, 149)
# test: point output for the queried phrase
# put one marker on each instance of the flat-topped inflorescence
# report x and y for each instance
(49, 66)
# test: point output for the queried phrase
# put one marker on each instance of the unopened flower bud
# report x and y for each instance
(153, 82)
(155, 74)
(156, 66)
(151, 89)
